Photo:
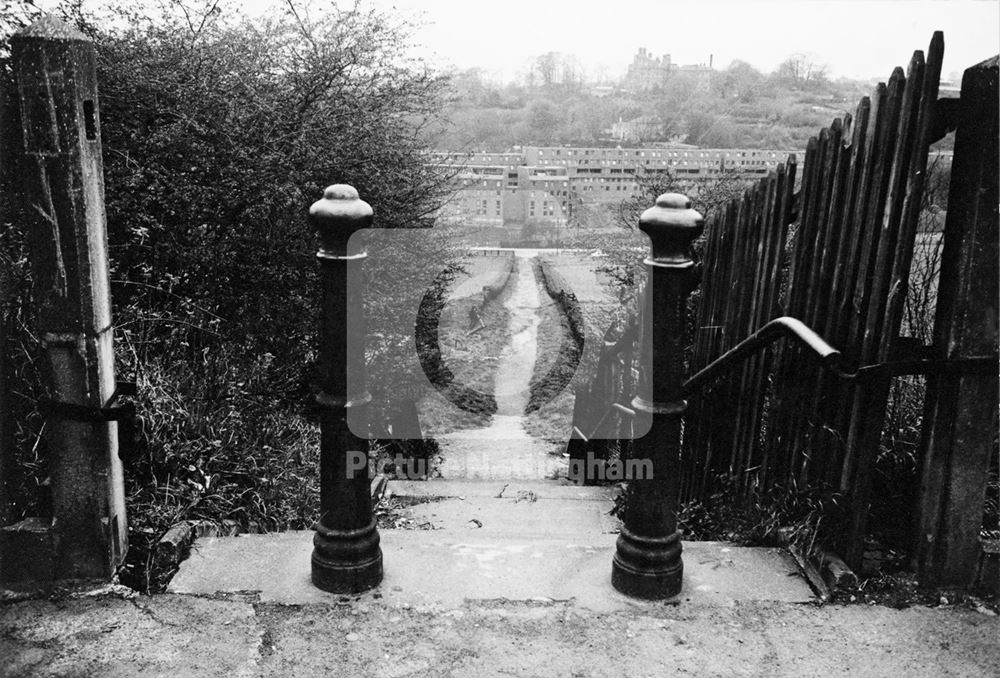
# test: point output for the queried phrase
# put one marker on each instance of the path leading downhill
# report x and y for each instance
(504, 449)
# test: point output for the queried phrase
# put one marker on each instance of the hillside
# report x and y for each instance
(738, 107)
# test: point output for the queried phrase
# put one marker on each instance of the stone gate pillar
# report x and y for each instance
(346, 555)
(647, 562)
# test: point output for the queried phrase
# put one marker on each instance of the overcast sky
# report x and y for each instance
(855, 38)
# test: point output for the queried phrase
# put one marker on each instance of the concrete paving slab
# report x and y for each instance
(506, 488)
(518, 518)
(510, 508)
(448, 568)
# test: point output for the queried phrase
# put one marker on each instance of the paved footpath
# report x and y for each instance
(514, 580)
(192, 636)
(503, 449)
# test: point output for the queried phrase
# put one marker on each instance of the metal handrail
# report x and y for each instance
(826, 355)
(831, 359)
(785, 326)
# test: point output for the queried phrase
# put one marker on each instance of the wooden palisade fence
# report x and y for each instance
(837, 256)
(829, 265)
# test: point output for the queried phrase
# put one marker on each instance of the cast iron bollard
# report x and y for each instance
(647, 562)
(346, 555)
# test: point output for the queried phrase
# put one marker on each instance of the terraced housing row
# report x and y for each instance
(547, 186)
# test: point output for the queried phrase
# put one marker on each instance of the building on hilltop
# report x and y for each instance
(700, 73)
(646, 71)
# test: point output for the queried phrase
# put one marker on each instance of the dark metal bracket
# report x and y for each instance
(124, 414)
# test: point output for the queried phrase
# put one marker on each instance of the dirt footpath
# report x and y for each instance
(503, 449)
(176, 635)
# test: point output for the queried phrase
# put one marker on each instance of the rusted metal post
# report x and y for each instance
(960, 416)
(647, 562)
(63, 179)
(346, 555)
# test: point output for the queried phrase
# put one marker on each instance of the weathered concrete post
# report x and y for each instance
(647, 562)
(346, 555)
(63, 179)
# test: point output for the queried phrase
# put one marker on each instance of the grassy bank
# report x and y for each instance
(470, 348)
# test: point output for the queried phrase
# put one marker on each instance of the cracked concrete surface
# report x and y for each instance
(176, 635)
(115, 636)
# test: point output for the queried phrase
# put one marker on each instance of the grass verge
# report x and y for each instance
(471, 355)
(550, 406)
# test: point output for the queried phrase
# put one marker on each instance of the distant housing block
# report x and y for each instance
(544, 186)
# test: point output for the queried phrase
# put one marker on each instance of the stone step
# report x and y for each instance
(502, 451)
(507, 488)
(513, 540)
(447, 568)
(511, 508)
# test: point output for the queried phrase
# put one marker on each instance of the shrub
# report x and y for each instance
(218, 133)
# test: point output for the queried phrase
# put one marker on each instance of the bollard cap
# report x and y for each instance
(671, 226)
(51, 28)
(337, 216)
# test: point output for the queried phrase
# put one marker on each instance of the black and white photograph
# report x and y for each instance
(571, 338)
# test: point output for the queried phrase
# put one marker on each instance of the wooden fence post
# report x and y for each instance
(6, 450)
(346, 556)
(63, 180)
(960, 413)
(647, 561)
(7, 144)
